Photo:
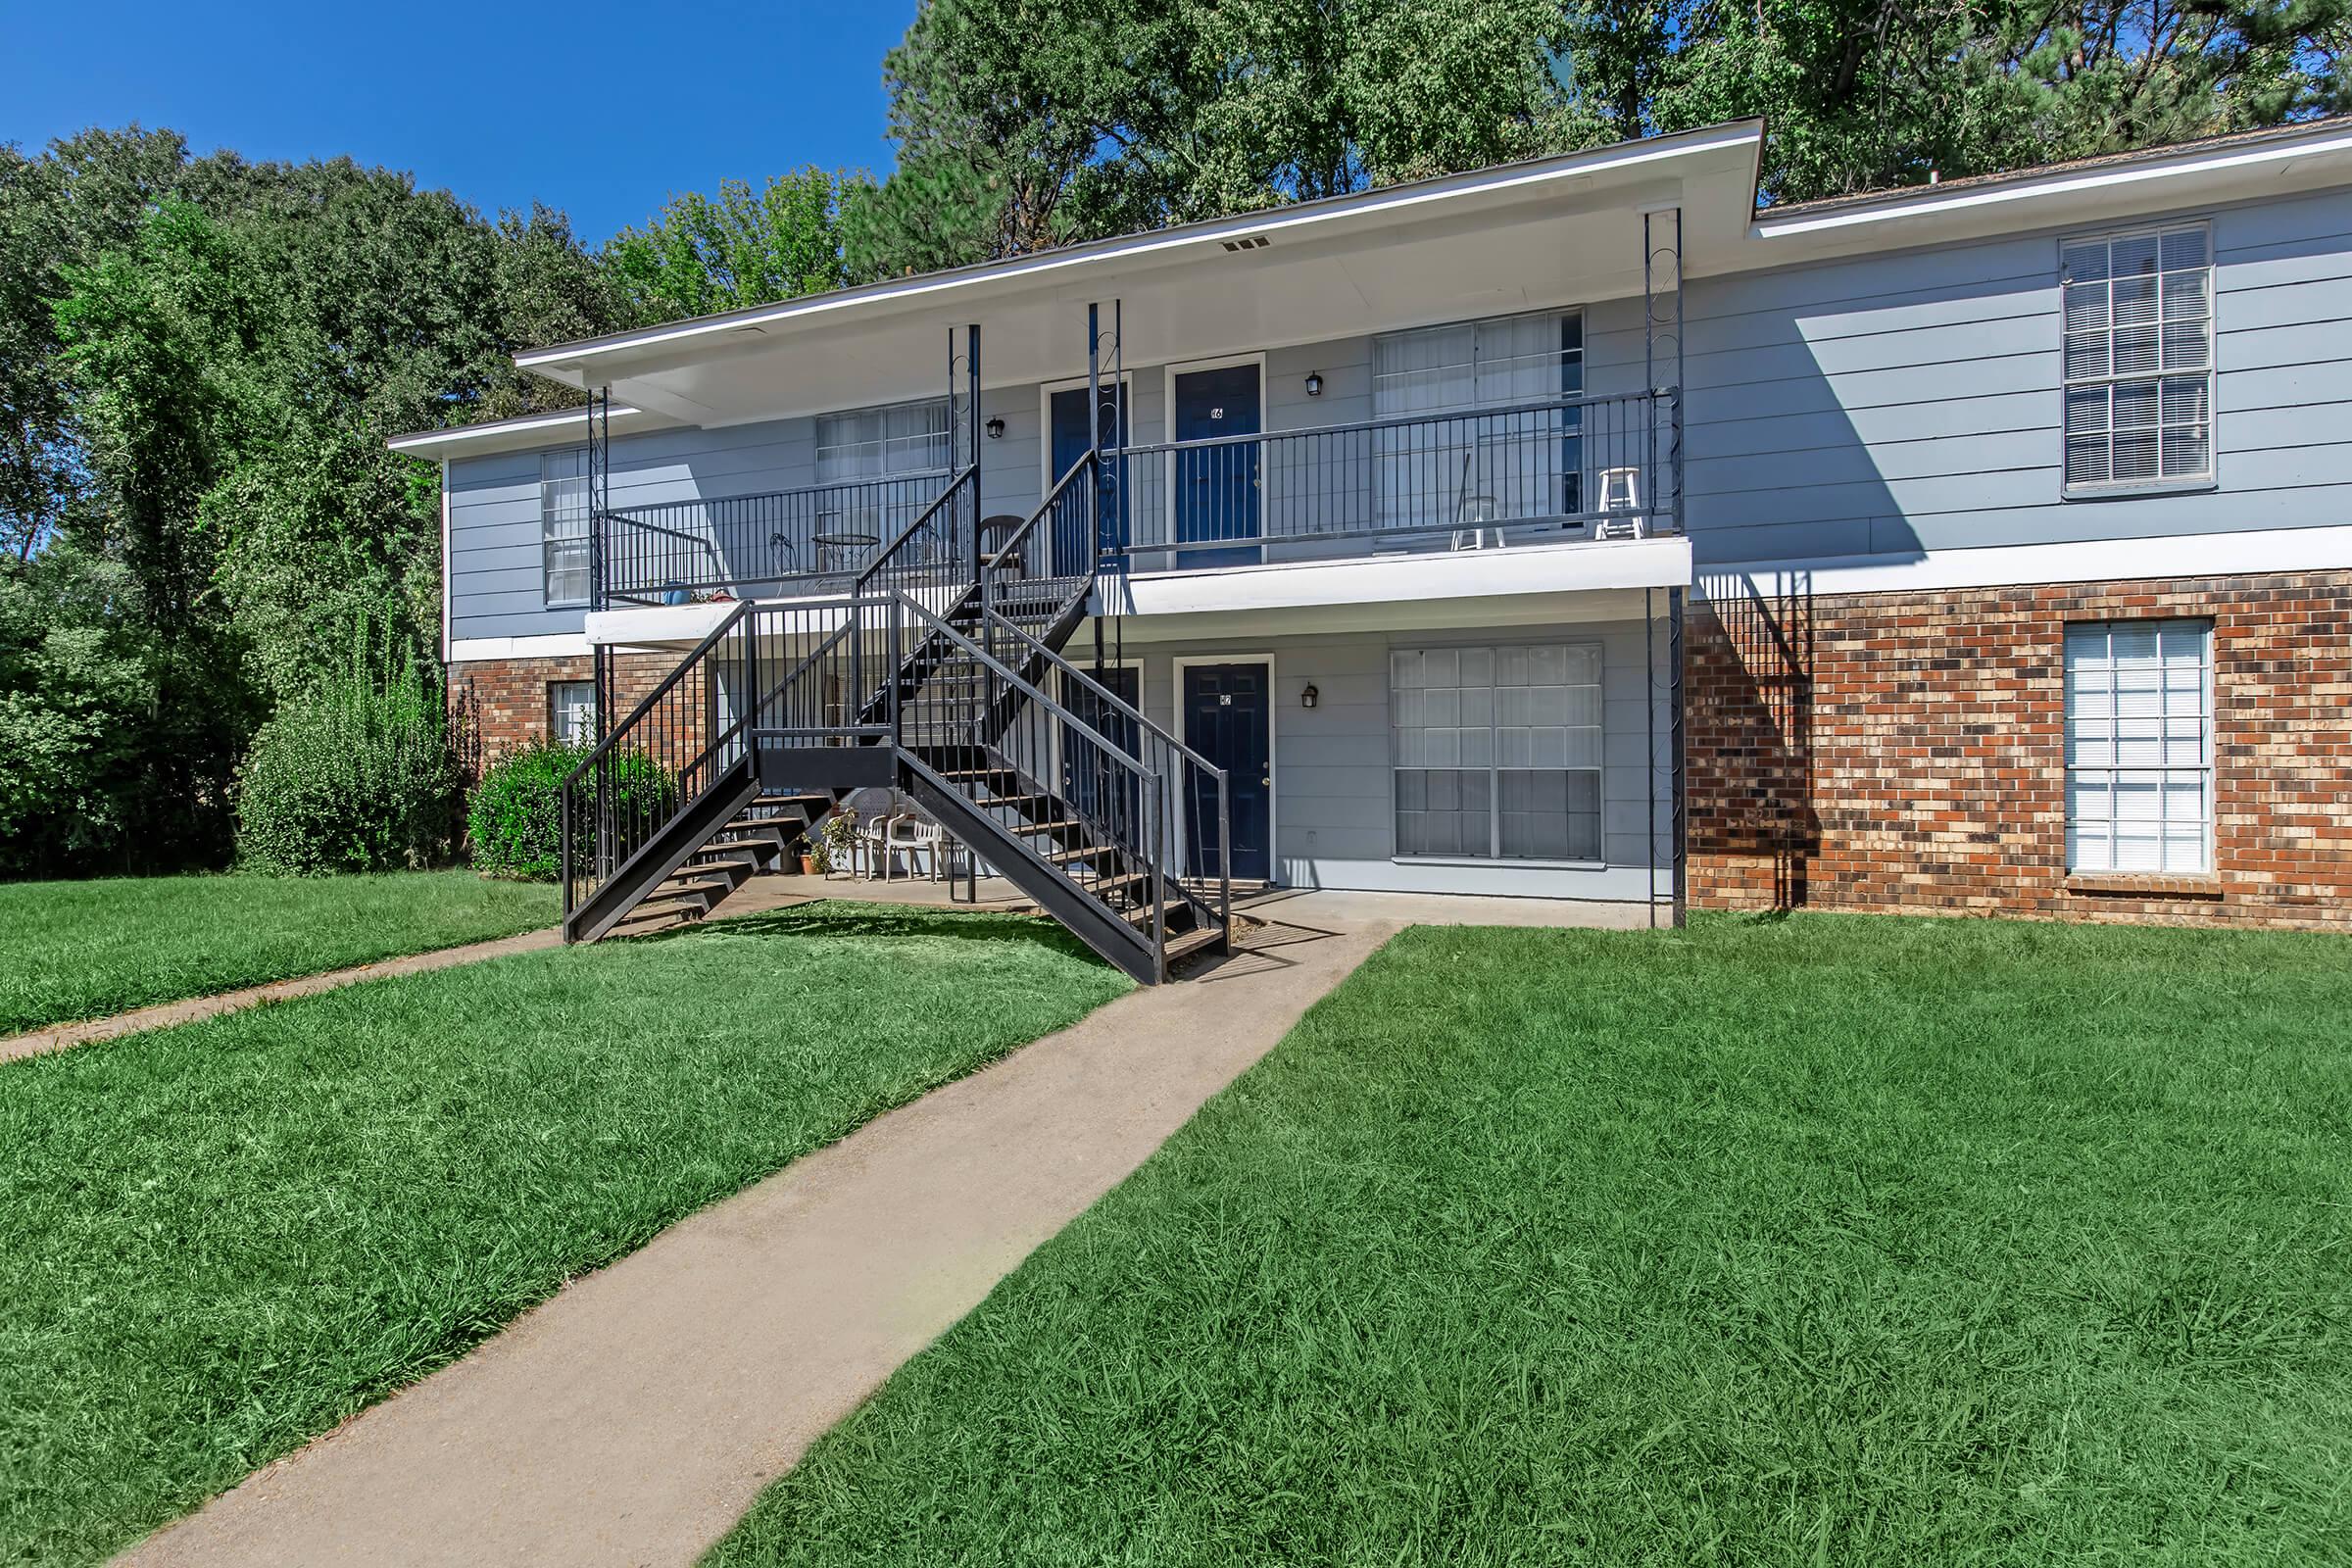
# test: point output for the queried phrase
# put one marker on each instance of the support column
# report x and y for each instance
(964, 418)
(1662, 371)
(1106, 410)
(1663, 361)
(599, 501)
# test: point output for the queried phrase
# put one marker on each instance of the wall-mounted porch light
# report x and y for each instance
(1314, 384)
(1309, 697)
(995, 429)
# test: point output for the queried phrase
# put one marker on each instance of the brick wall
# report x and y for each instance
(1906, 752)
(501, 703)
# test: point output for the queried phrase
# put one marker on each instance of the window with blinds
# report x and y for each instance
(563, 526)
(2139, 358)
(1475, 470)
(1496, 751)
(889, 443)
(2139, 746)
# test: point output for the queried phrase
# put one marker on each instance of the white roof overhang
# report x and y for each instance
(1551, 231)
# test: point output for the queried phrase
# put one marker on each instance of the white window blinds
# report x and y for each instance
(2139, 358)
(2139, 746)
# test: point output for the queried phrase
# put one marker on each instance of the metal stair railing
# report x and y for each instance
(1197, 815)
(656, 761)
(807, 666)
(1044, 549)
(938, 550)
(1025, 739)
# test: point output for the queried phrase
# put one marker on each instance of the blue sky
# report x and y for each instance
(600, 109)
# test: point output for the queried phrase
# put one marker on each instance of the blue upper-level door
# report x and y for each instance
(1216, 486)
(1066, 414)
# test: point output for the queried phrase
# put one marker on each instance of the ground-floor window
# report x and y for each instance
(571, 712)
(2139, 746)
(1498, 752)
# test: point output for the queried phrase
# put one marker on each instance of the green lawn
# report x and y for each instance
(219, 1240)
(84, 950)
(1817, 1241)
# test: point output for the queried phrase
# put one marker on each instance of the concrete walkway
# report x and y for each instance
(195, 1008)
(634, 1417)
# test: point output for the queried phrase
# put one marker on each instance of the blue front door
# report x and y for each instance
(1067, 411)
(1216, 486)
(1227, 713)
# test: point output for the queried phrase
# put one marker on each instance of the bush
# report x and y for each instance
(356, 775)
(514, 818)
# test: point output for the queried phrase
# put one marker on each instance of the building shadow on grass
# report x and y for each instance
(845, 919)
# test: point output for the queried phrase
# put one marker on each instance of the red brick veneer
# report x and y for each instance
(500, 704)
(1905, 752)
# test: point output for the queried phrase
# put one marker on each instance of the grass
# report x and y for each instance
(1817, 1241)
(219, 1240)
(86, 950)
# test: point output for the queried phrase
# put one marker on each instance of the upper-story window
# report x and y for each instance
(2139, 358)
(904, 438)
(563, 525)
(1480, 469)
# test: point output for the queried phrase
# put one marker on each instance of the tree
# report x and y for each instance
(196, 408)
(703, 254)
(1866, 94)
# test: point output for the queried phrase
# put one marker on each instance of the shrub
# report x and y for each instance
(514, 822)
(356, 775)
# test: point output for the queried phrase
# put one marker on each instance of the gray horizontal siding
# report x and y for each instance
(1882, 403)
(1334, 811)
(1904, 403)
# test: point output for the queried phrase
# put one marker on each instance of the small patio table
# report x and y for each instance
(836, 551)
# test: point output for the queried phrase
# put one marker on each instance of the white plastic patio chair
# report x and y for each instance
(917, 837)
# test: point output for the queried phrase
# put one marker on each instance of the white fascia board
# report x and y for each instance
(515, 435)
(1531, 176)
(2059, 186)
(552, 645)
(1594, 566)
(2252, 553)
(657, 626)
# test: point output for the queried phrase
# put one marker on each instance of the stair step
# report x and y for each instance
(644, 922)
(1192, 942)
(1062, 826)
(1084, 852)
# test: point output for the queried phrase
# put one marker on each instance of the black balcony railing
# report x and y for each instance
(1545, 472)
(747, 547)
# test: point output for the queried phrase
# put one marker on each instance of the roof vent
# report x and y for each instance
(1256, 242)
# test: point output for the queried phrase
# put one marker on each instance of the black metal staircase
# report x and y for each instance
(940, 673)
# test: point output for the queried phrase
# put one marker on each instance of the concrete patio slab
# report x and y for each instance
(633, 1418)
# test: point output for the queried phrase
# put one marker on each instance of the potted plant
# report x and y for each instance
(811, 852)
(837, 843)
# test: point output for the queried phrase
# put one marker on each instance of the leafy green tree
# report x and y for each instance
(196, 395)
(1865, 94)
(703, 254)
(77, 689)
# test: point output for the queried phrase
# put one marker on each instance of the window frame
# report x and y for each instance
(2208, 767)
(819, 446)
(554, 712)
(1495, 769)
(1568, 364)
(2159, 483)
(550, 505)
